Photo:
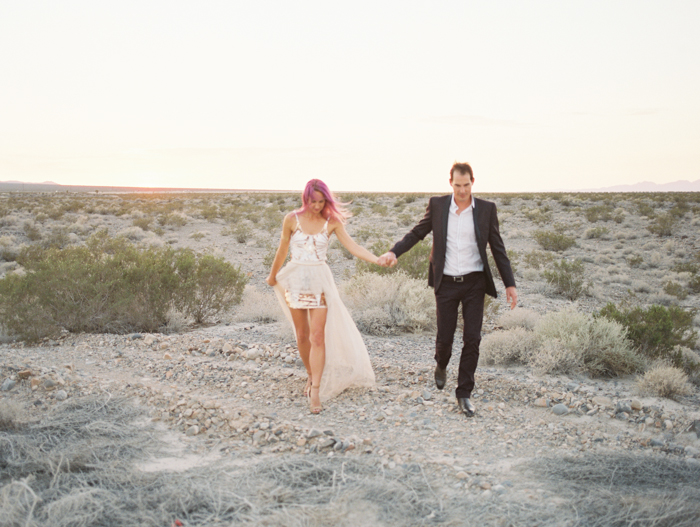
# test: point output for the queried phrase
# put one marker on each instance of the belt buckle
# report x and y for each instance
(458, 278)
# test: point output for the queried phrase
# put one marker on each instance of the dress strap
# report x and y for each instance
(298, 227)
(325, 225)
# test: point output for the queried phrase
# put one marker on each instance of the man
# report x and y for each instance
(462, 225)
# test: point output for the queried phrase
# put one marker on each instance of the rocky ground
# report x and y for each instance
(232, 393)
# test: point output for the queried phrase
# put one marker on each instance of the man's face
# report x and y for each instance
(462, 187)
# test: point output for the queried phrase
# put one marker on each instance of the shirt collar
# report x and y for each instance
(453, 205)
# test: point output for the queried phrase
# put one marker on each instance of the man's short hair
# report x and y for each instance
(462, 168)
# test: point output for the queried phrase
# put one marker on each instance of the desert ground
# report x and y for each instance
(206, 424)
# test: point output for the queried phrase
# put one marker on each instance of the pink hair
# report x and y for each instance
(333, 208)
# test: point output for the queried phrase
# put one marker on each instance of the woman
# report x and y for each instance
(329, 343)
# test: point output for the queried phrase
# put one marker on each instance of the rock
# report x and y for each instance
(258, 436)
(485, 485)
(692, 451)
(253, 353)
(636, 405)
(148, 340)
(326, 443)
(135, 336)
(461, 475)
(623, 408)
(167, 356)
(301, 441)
(313, 433)
(427, 396)
(7, 385)
(541, 402)
(668, 424)
(227, 348)
(192, 431)
(163, 345)
(24, 374)
(603, 401)
(35, 383)
(656, 441)
(49, 384)
(560, 409)
(299, 363)
(61, 395)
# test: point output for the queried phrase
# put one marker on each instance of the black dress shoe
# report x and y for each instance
(440, 377)
(466, 406)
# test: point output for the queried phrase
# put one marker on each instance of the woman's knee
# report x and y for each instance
(318, 337)
(302, 334)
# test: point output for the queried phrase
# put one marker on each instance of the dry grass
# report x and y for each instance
(663, 380)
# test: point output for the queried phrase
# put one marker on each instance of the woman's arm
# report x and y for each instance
(281, 254)
(356, 250)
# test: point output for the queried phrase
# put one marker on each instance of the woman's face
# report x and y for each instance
(317, 202)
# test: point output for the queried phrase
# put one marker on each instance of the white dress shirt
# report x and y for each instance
(462, 253)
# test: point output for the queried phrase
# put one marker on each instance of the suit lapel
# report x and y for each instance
(476, 223)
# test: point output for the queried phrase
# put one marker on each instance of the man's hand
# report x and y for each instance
(387, 259)
(512, 296)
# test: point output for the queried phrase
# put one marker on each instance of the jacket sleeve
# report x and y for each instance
(498, 249)
(417, 233)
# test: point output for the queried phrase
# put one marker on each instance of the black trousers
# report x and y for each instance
(470, 293)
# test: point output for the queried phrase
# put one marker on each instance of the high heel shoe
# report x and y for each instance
(314, 409)
(307, 388)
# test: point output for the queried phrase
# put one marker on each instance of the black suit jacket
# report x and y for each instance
(486, 227)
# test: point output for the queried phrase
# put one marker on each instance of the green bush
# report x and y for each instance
(675, 289)
(635, 260)
(694, 284)
(537, 259)
(597, 232)
(113, 286)
(31, 231)
(658, 332)
(414, 263)
(663, 225)
(599, 213)
(553, 241)
(567, 278)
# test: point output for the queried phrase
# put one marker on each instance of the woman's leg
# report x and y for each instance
(317, 355)
(300, 317)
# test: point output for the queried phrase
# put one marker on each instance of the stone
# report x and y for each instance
(148, 340)
(692, 451)
(636, 405)
(560, 409)
(167, 356)
(326, 443)
(135, 336)
(301, 441)
(485, 485)
(49, 384)
(227, 348)
(603, 401)
(541, 402)
(253, 354)
(192, 431)
(668, 424)
(7, 385)
(61, 395)
(313, 433)
(623, 408)
(35, 382)
(461, 475)
(24, 374)
(427, 396)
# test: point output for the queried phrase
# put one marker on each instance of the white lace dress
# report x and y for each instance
(308, 277)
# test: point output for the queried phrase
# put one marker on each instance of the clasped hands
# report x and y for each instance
(387, 259)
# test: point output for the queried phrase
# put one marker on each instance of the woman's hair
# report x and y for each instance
(333, 208)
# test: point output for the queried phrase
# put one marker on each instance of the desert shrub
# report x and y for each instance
(675, 289)
(111, 285)
(689, 362)
(553, 241)
(518, 318)
(596, 232)
(379, 208)
(414, 263)
(567, 278)
(171, 218)
(8, 249)
(242, 232)
(31, 231)
(389, 304)
(664, 381)
(513, 256)
(599, 213)
(143, 222)
(10, 414)
(511, 346)
(656, 331)
(571, 341)
(663, 225)
(635, 260)
(694, 284)
(209, 285)
(56, 239)
(685, 267)
(537, 259)
(365, 234)
(198, 235)
(539, 216)
(258, 306)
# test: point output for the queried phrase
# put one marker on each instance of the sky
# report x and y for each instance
(380, 95)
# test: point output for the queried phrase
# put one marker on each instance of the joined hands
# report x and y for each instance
(387, 259)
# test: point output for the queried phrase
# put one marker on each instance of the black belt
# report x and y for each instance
(460, 278)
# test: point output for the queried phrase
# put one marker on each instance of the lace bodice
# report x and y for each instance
(309, 247)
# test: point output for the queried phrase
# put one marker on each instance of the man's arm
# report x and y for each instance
(416, 234)
(500, 256)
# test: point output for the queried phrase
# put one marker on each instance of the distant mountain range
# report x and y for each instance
(50, 186)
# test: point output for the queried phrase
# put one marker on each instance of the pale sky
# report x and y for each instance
(365, 95)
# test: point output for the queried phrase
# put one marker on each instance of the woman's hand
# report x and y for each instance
(271, 280)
